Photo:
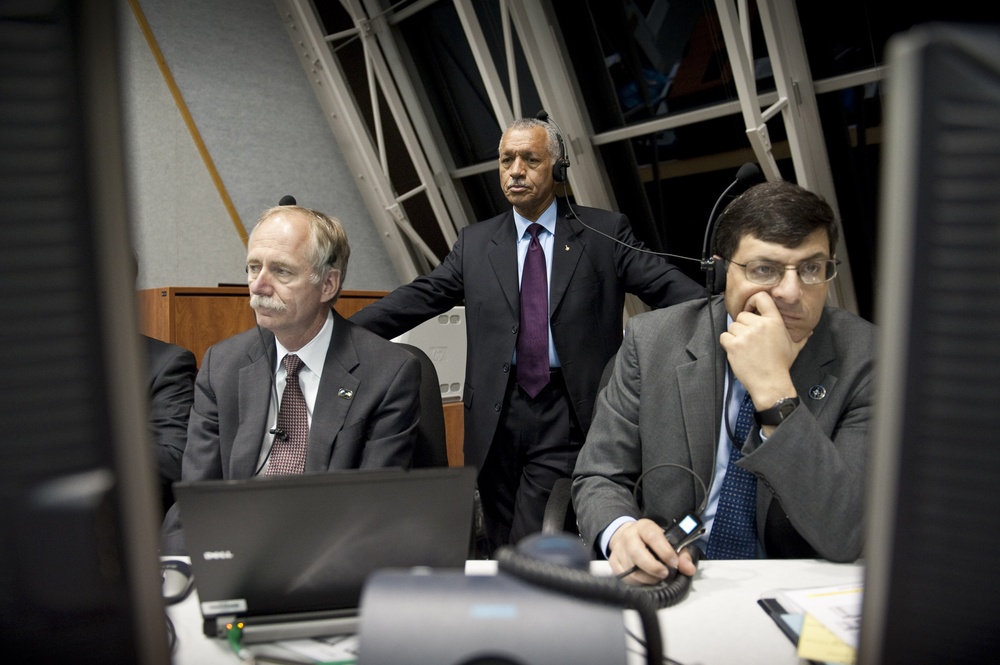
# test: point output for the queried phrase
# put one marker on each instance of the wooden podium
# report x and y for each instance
(198, 317)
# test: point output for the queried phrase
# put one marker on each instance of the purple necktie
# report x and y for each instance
(288, 452)
(734, 531)
(533, 333)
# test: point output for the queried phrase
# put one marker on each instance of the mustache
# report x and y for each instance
(516, 183)
(267, 302)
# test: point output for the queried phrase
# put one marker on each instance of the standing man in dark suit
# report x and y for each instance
(348, 399)
(171, 392)
(670, 415)
(521, 440)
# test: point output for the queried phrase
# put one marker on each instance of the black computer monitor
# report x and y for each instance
(79, 574)
(933, 522)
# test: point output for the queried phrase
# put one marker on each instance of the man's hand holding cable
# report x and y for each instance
(642, 545)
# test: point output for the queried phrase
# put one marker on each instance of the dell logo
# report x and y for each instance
(218, 554)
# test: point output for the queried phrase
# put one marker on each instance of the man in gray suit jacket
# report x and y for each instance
(667, 417)
(522, 443)
(359, 394)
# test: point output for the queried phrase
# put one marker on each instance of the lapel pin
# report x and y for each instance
(567, 248)
(817, 392)
(344, 393)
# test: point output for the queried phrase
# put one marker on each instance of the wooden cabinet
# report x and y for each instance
(454, 427)
(198, 317)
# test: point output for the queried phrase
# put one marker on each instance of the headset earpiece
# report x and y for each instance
(719, 276)
(559, 170)
(562, 163)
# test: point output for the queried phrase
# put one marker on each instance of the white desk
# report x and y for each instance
(719, 623)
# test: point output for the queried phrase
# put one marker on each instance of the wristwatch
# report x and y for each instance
(777, 413)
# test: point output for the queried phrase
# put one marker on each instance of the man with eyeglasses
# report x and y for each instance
(669, 420)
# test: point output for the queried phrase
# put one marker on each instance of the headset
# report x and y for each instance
(561, 164)
(715, 279)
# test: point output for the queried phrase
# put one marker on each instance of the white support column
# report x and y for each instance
(796, 104)
(378, 41)
(541, 40)
(502, 107)
(431, 164)
(364, 153)
(348, 127)
(793, 77)
(741, 63)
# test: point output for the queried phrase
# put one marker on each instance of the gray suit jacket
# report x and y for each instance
(376, 426)
(590, 276)
(662, 406)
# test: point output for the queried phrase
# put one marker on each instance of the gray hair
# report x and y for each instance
(555, 146)
(329, 249)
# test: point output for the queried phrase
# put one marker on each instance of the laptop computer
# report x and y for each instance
(288, 556)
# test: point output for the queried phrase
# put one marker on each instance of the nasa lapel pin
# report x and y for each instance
(817, 392)
(344, 393)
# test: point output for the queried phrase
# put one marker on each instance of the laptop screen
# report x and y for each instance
(307, 543)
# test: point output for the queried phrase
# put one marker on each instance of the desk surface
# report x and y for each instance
(723, 597)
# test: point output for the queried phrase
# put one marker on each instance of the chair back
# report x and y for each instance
(431, 449)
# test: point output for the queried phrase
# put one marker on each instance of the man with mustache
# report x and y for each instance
(670, 414)
(306, 390)
(522, 437)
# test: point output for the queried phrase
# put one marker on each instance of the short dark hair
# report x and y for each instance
(779, 212)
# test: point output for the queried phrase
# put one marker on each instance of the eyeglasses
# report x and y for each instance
(770, 273)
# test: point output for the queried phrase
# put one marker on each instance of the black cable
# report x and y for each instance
(545, 117)
(638, 484)
(614, 239)
(171, 634)
(725, 406)
(277, 405)
(581, 584)
(666, 659)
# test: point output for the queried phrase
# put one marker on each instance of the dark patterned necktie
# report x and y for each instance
(734, 531)
(533, 331)
(288, 452)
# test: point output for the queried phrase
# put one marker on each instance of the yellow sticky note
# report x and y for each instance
(816, 642)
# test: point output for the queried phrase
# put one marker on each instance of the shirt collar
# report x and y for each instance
(547, 219)
(313, 354)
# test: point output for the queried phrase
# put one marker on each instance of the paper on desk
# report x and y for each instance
(816, 643)
(838, 608)
(795, 622)
(334, 649)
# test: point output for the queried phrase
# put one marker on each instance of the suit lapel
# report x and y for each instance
(567, 248)
(256, 386)
(809, 372)
(503, 257)
(337, 388)
(703, 381)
